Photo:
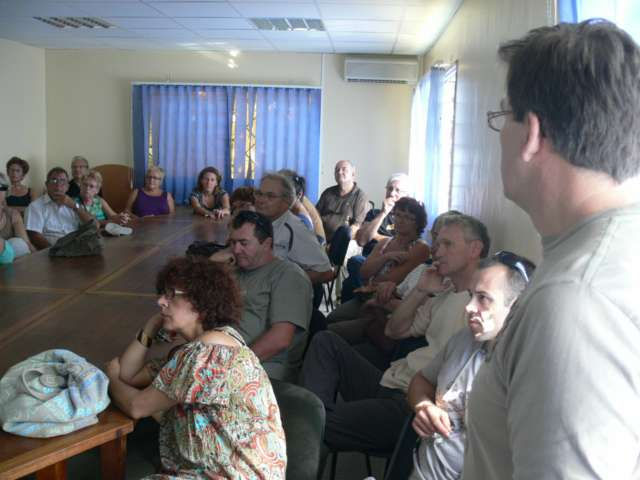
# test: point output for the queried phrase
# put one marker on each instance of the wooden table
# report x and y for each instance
(92, 306)
(47, 457)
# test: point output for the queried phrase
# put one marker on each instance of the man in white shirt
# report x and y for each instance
(374, 407)
(54, 214)
(559, 395)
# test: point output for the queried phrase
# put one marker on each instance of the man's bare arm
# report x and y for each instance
(274, 340)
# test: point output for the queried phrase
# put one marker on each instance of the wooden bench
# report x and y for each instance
(46, 457)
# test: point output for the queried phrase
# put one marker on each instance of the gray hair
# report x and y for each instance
(80, 157)
(473, 229)
(288, 190)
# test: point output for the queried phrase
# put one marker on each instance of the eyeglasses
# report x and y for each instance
(150, 177)
(58, 181)
(496, 120)
(522, 265)
(170, 293)
(269, 195)
(398, 215)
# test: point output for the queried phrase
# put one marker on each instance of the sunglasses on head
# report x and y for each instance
(520, 264)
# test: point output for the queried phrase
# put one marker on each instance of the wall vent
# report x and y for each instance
(74, 22)
(381, 70)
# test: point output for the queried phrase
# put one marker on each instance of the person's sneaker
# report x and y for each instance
(116, 230)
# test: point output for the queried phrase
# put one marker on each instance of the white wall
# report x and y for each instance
(89, 105)
(472, 38)
(22, 108)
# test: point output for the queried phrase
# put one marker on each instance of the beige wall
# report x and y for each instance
(472, 38)
(367, 124)
(89, 104)
(22, 107)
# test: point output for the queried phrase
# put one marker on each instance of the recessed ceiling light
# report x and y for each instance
(74, 22)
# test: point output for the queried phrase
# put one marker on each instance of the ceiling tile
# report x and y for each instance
(98, 32)
(362, 37)
(242, 44)
(281, 9)
(363, 48)
(116, 9)
(194, 9)
(295, 36)
(140, 22)
(37, 8)
(137, 44)
(361, 11)
(167, 34)
(215, 23)
(235, 34)
(361, 26)
(415, 28)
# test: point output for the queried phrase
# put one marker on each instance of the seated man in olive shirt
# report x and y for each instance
(277, 303)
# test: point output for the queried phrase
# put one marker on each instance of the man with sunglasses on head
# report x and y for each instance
(559, 395)
(374, 407)
(438, 393)
(55, 214)
(277, 297)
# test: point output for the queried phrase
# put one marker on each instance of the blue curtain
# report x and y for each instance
(624, 13)
(425, 163)
(242, 131)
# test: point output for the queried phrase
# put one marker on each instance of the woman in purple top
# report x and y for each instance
(151, 199)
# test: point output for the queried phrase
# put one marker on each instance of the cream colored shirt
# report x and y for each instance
(438, 319)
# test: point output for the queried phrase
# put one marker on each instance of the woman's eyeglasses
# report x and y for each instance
(171, 293)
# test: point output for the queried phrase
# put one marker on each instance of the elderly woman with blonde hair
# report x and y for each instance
(97, 206)
(151, 199)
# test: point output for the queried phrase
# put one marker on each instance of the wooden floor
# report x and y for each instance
(94, 305)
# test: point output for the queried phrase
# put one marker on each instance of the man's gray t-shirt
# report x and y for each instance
(559, 396)
(276, 292)
(452, 372)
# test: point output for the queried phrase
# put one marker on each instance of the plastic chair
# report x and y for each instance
(117, 184)
(302, 415)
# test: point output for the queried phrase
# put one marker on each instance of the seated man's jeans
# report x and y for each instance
(354, 280)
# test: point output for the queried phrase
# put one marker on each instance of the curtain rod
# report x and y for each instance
(204, 84)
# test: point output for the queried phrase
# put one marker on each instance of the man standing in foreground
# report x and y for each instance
(559, 395)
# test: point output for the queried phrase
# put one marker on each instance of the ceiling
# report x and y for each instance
(398, 27)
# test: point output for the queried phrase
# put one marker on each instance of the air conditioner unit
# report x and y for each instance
(381, 70)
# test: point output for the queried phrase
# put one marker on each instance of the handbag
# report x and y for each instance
(52, 393)
(84, 241)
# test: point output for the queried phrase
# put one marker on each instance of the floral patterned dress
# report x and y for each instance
(226, 424)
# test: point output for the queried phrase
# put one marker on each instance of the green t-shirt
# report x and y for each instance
(279, 291)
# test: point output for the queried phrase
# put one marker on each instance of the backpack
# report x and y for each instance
(84, 241)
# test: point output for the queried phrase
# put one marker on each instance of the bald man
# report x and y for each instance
(344, 203)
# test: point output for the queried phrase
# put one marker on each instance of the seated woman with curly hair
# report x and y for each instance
(220, 418)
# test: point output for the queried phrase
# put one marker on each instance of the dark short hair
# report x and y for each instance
(473, 229)
(243, 194)
(299, 182)
(583, 82)
(515, 282)
(263, 228)
(206, 170)
(55, 171)
(415, 208)
(210, 287)
(23, 164)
